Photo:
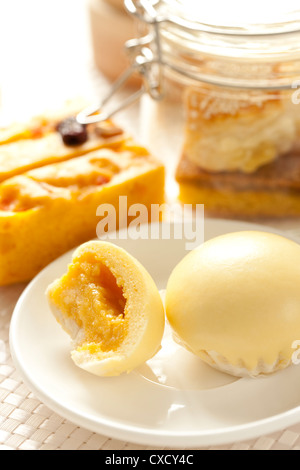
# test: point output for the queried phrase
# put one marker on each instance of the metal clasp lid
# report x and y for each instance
(147, 59)
(148, 63)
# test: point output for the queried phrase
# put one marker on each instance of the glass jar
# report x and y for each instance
(223, 110)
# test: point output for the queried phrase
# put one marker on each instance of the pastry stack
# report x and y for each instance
(241, 153)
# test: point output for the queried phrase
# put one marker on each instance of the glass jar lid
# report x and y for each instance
(255, 17)
(232, 43)
(243, 30)
(252, 45)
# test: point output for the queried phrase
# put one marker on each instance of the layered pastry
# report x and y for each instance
(235, 302)
(110, 306)
(241, 153)
(49, 210)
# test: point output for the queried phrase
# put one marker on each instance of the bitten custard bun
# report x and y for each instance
(110, 306)
(235, 302)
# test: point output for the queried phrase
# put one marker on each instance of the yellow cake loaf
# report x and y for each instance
(49, 210)
(41, 124)
(25, 147)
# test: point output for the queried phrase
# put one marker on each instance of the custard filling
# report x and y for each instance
(90, 295)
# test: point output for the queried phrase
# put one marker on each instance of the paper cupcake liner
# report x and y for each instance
(219, 362)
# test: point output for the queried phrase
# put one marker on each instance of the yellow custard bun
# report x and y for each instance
(50, 210)
(235, 302)
(110, 306)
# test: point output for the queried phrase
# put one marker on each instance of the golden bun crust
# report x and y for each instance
(235, 302)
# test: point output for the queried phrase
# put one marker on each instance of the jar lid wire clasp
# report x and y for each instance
(96, 112)
(147, 63)
(147, 59)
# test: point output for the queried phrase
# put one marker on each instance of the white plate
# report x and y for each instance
(173, 400)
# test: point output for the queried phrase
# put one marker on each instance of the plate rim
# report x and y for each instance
(144, 436)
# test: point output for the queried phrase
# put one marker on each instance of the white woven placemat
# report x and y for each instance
(27, 424)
